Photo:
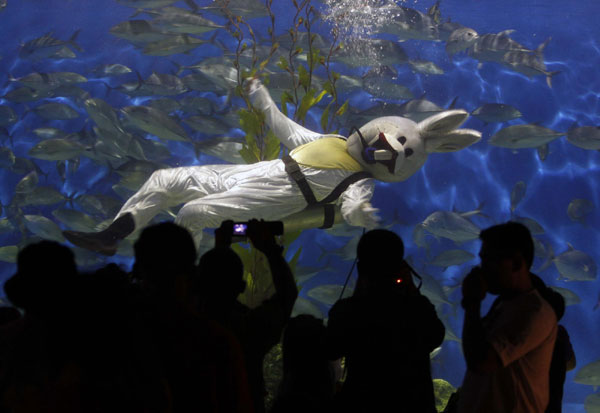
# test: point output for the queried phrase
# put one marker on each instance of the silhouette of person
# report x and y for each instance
(201, 361)
(308, 377)
(508, 352)
(219, 283)
(37, 367)
(563, 356)
(386, 332)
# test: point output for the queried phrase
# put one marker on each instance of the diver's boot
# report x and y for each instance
(106, 241)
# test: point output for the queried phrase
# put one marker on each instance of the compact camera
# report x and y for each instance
(240, 228)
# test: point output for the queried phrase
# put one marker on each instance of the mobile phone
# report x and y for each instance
(239, 229)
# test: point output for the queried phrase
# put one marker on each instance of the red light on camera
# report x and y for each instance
(399, 280)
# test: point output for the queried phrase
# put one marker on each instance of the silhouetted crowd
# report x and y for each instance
(171, 336)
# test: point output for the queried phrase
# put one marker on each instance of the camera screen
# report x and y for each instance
(239, 229)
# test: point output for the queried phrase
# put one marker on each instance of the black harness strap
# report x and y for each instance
(293, 169)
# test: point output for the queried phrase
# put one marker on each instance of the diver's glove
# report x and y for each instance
(362, 215)
(258, 94)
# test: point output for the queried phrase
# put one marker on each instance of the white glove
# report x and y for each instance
(258, 94)
(363, 215)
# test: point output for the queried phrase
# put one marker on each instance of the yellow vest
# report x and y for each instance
(326, 153)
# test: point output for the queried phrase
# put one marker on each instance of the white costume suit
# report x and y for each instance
(264, 190)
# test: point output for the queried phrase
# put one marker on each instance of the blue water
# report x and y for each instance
(480, 174)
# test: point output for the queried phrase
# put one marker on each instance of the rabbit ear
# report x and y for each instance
(442, 122)
(453, 141)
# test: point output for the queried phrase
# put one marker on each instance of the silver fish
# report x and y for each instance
(9, 253)
(27, 183)
(25, 95)
(451, 257)
(517, 194)
(579, 209)
(384, 89)
(426, 67)
(7, 116)
(111, 69)
(305, 306)
(43, 195)
(496, 112)
(49, 81)
(173, 45)
(523, 136)
(460, 39)
(227, 149)
(183, 21)
(7, 157)
(589, 374)
(529, 64)
(570, 297)
(329, 294)
(585, 137)
(138, 32)
(46, 46)
(534, 227)
(575, 265)
(156, 123)
(43, 227)
(59, 149)
(56, 111)
(75, 220)
(451, 225)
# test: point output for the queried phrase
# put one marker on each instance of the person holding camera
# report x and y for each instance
(220, 281)
(508, 351)
(386, 332)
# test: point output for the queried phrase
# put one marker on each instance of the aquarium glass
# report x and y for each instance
(74, 148)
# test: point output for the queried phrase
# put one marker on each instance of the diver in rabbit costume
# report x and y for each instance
(321, 168)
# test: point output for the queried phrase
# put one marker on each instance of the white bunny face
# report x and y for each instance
(393, 148)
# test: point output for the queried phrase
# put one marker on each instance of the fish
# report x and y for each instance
(103, 115)
(451, 257)
(578, 209)
(585, 137)
(27, 183)
(419, 236)
(459, 39)
(529, 64)
(49, 133)
(47, 46)
(517, 194)
(451, 225)
(138, 32)
(9, 253)
(166, 105)
(406, 23)
(7, 157)
(570, 297)
(219, 71)
(25, 95)
(155, 122)
(575, 265)
(248, 9)
(210, 125)
(3, 4)
(183, 21)
(43, 227)
(99, 204)
(425, 67)
(493, 46)
(6, 226)
(7, 116)
(359, 52)
(534, 227)
(56, 111)
(347, 252)
(197, 105)
(305, 306)
(591, 403)
(496, 112)
(524, 136)
(173, 45)
(57, 149)
(146, 4)
(329, 294)
(75, 220)
(49, 81)
(589, 374)
(164, 84)
(225, 148)
(43, 195)
(384, 89)
(111, 69)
